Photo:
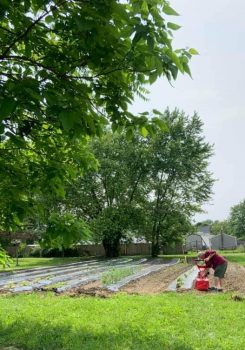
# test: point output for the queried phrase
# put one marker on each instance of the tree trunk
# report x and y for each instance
(155, 250)
(17, 255)
(112, 247)
(155, 247)
(62, 252)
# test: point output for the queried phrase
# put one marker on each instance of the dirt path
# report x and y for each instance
(155, 282)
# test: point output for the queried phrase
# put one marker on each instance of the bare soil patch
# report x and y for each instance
(155, 282)
(91, 289)
(234, 278)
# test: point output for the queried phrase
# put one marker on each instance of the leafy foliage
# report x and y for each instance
(68, 68)
(63, 231)
(218, 227)
(179, 179)
(5, 260)
(33, 178)
(237, 219)
(77, 64)
(106, 197)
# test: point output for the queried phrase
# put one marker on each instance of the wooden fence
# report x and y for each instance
(98, 249)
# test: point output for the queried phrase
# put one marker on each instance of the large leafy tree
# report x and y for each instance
(150, 186)
(180, 181)
(108, 197)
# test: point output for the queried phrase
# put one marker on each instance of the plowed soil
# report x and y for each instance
(234, 278)
(157, 282)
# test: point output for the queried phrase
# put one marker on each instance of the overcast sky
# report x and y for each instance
(217, 30)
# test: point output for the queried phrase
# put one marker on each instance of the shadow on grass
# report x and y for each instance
(29, 335)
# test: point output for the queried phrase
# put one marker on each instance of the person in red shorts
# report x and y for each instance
(218, 263)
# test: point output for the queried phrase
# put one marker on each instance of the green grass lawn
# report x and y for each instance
(26, 263)
(166, 322)
(235, 257)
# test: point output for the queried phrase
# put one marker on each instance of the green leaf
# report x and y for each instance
(153, 77)
(144, 113)
(143, 131)
(155, 111)
(193, 51)
(114, 127)
(151, 130)
(161, 124)
(1, 128)
(129, 134)
(187, 69)
(174, 71)
(66, 120)
(49, 19)
(137, 37)
(5, 4)
(169, 11)
(90, 124)
(17, 140)
(173, 26)
(150, 42)
(8, 106)
(144, 8)
(175, 59)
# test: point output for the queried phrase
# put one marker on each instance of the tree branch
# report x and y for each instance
(7, 30)
(28, 29)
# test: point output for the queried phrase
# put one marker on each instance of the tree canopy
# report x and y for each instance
(145, 186)
(237, 219)
(68, 68)
(77, 64)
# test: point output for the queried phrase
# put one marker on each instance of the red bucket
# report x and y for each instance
(202, 282)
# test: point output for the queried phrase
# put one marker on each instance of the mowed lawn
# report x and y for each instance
(29, 263)
(169, 321)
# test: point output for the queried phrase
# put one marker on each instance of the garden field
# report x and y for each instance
(140, 316)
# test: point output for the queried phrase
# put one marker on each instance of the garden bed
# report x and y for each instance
(158, 282)
(154, 283)
(104, 278)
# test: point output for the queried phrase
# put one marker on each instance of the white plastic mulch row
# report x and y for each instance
(76, 274)
(144, 272)
(96, 276)
(185, 280)
(29, 275)
(71, 275)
